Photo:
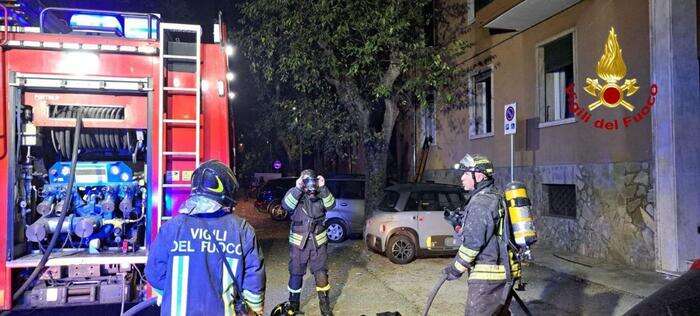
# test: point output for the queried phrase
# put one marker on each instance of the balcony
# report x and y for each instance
(523, 14)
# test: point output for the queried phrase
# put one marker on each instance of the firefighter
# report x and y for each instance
(307, 204)
(186, 266)
(481, 253)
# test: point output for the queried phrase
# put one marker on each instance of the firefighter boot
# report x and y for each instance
(293, 308)
(324, 302)
(294, 287)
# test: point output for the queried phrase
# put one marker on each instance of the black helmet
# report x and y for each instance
(310, 180)
(215, 180)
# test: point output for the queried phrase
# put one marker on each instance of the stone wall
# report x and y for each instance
(614, 206)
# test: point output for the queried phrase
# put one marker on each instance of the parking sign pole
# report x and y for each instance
(511, 157)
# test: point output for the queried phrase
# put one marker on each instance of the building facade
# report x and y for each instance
(591, 173)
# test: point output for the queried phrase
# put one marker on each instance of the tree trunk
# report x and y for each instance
(375, 155)
(376, 159)
(318, 159)
(376, 144)
(288, 152)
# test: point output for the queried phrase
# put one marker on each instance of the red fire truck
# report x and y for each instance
(154, 103)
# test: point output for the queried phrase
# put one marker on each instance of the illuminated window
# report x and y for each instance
(556, 71)
(481, 105)
(428, 119)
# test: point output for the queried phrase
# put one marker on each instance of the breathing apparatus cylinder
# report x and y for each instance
(522, 224)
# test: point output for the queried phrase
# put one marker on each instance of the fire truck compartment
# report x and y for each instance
(153, 106)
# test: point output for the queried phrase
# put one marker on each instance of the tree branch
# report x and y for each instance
(391, 112)
(348, 92)
(333, 81)
(393, 72)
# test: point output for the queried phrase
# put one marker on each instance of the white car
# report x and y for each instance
(411, 223)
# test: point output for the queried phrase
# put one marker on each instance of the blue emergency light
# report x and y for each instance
(133, 26)
(137, 27)
(87, 21)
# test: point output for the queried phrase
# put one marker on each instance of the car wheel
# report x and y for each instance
(336, 230)
(264, 208)
(277, 212)
(401, 249)
(268, 207)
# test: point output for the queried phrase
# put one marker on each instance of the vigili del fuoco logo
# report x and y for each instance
(611, 69)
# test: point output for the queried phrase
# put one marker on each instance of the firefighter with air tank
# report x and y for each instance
(487, 252)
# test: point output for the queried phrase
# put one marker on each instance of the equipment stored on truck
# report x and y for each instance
(106, 115)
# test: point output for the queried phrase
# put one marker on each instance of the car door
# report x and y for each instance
(341, 207)
(334, 187)
(409, 208)
(434, 231)
(352, 201)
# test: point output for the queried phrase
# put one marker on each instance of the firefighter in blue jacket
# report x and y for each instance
(307, 204)
(186, 261)
(483, 252)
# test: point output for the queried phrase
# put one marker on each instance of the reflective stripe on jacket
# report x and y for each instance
(307, 216)
(481, 241)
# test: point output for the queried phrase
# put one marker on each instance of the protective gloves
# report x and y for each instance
(452, 273)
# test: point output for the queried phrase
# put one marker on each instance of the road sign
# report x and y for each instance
(509, 127)
(509, 124)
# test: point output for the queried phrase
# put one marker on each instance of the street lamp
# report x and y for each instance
(229, 50)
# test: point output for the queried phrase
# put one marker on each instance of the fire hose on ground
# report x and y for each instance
(433, 293)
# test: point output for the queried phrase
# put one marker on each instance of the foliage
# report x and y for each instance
(351, 66)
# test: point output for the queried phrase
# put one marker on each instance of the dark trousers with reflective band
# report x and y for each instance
(314, 258)
(485, 298)
(299, 260)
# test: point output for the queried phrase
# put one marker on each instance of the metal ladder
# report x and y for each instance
(423, 159)
(163, 122)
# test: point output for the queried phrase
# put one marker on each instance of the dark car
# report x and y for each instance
(680, 297)
(272, 192)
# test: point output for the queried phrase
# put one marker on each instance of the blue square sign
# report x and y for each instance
(510, 118)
